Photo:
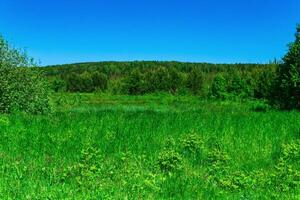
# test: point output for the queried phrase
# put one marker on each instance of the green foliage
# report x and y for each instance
(100, 81)
(138, 78)
(191, 143)
(86, 82)
(157, 79)
(135, 83)
(265, 83)
(176, 80)
(86, 172)
(261, 106)
(22, 87)
(238, 86)
(195, 81)
(169, 159)
(219, 87)
(58, 85)
(288, 81)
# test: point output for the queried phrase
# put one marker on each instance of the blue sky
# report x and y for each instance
(218, 31)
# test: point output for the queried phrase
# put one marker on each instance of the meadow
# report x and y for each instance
(156, 146)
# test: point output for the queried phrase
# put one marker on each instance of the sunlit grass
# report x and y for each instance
(98, 146)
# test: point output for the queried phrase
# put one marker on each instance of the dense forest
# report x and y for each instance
(135, 78)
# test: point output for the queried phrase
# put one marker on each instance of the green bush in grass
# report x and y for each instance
(21, 86)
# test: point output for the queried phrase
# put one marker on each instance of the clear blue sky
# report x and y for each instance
(220, 31)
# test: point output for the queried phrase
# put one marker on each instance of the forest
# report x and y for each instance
(137, 78)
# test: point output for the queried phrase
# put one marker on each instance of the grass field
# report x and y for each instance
(150, 147)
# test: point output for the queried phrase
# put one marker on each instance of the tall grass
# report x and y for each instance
(111, 147)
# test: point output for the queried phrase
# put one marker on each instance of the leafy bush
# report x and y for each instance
(192, 143)
(86, 172)
(21, 86)
(169, 160)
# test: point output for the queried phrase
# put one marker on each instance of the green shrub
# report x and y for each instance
(169, 160)
(192, 143)
(22, 87)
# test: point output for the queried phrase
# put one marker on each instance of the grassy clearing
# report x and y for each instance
(150, 147)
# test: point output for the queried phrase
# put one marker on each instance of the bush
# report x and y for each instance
(22, 87)
(169, 160)
(192, 143)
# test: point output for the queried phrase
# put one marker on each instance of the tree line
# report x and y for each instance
(137, 78)
(23, 86)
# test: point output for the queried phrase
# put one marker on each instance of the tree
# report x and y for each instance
(288, 81)
(195, 81)
(100, 81)
(58, 84)
(86, 82)
(264, 82)
(176, 79)
(159, 80)
(219, 87)
(22, 87)
(134, 83)
(73, 81)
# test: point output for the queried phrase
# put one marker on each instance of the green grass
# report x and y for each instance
(97, 146)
